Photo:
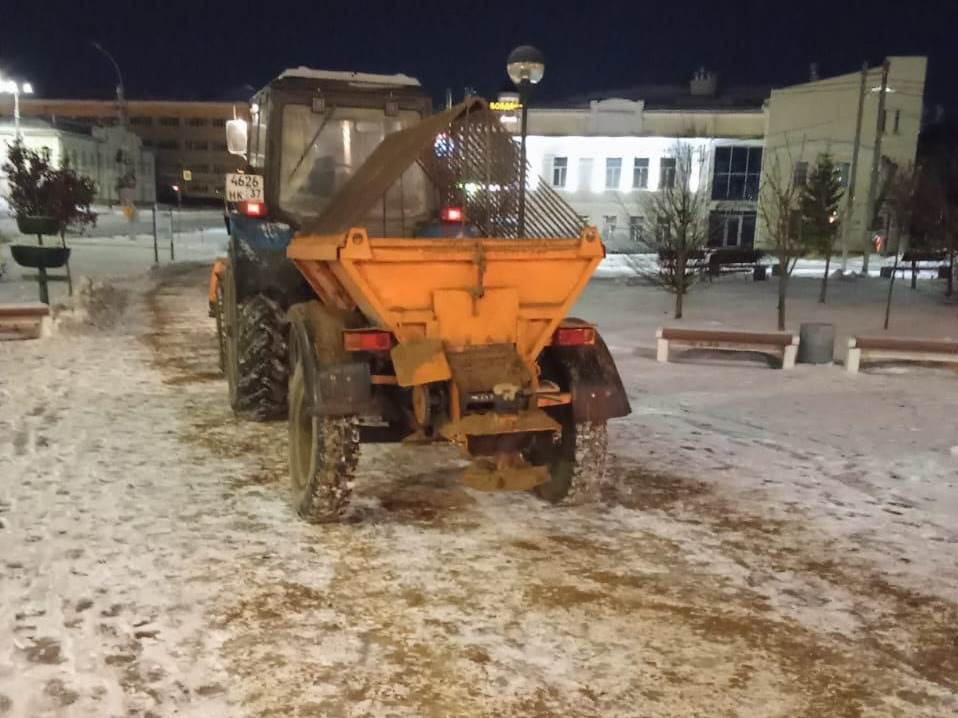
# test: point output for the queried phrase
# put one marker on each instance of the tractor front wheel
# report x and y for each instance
(576, 464)
(323, 453)
(220, 327)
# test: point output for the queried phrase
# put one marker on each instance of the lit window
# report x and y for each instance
(640, 173)
(608, 226)
(613, 172)
(560, 167)
(843, 169)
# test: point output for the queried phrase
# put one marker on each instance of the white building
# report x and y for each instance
(604, 153)
(92, 152)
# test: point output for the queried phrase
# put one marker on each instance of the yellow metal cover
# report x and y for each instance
(420, 361)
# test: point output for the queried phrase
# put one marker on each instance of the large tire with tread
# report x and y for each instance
(323, 454)
(262, 358)
(220, 326)
(255, 354)
(577, 463)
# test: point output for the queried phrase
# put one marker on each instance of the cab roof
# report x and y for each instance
(355, 78)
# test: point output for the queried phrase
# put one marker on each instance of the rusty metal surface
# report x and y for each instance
(471, 161)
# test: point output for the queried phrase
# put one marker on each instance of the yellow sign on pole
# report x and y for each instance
(187, 175)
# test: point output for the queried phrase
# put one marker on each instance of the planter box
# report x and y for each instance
(38, 257)
(37, 225)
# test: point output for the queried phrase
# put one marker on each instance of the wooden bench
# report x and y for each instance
(696, 261)
(916, 261)
(779, 344)
(736, 259)
(897, 349)
(23, 321)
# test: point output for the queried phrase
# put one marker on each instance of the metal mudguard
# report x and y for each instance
(257, 252)
(593, 379)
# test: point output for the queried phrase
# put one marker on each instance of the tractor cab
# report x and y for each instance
(308, 131)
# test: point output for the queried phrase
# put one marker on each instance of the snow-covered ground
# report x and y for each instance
(775, 543)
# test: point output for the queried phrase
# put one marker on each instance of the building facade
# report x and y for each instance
(804, 121)
(605, 154)
(188, 138)
(104, 154)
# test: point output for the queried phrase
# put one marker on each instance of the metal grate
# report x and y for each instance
(470, 160)
(474, 164)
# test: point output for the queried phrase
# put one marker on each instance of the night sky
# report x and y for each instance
(213, 50)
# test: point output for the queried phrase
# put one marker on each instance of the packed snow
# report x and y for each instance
(773, 544)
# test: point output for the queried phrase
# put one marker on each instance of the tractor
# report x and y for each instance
(423, 298)
(309, 130)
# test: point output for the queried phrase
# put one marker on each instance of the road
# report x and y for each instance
(152, 565)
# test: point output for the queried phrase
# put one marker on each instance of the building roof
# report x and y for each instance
(671, 97)
(364, 78)
(37, 124)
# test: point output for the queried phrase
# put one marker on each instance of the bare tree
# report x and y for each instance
(676, 223)
(778, 207)
(900, 201)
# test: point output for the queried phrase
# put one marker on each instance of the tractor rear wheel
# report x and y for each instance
(576, 463)
(323, 453)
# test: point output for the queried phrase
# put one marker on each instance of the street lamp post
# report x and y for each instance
(525, 66)
(12, 87)
(127, 177)
(121, 102)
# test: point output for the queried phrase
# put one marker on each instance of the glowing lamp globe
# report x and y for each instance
(526, 64)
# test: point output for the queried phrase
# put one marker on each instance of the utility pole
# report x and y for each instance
(853, 170)
(876, 161)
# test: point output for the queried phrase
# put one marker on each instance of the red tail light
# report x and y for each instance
(573, 336)
(367, 340)
(451, 214)
(252, 208)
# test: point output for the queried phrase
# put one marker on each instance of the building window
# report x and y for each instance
(732, 229)
(635, 229)
(196, 145)
(608, 226)
(737, 173)
(167, 145)
(141, 121)
(560, 167)
(666, 172)
(197, 122)
(883, 121)
(801, 174)
(640, 173)
(897, 126)
(219, 122)
(148, 143)
(613, 172)
(218, 146)
(170, 121)
(842, 169)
